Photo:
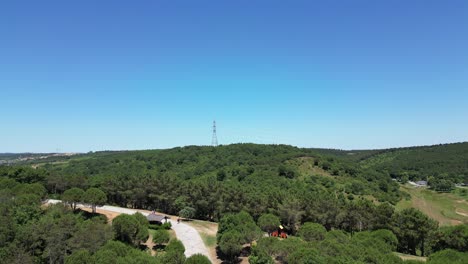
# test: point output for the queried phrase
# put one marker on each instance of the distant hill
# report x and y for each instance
(446, 160)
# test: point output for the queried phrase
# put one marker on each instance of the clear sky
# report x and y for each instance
(94, 75)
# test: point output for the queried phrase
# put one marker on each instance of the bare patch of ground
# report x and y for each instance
(458, 211)
(411, 257)
(110, 215)
(150, 244)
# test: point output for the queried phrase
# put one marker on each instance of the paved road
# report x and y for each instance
(188, 235)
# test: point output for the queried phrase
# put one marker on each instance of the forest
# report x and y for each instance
(336, 206)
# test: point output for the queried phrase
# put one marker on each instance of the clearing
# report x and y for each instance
(446, 208)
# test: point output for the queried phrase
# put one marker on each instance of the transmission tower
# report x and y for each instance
(214, 140)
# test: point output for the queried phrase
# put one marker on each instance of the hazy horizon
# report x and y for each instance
(112, 75)
(312, 147)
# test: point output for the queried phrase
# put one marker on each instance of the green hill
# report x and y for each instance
(231, 178)
(448, 161)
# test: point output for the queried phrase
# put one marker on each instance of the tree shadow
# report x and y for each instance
(159, 247)
(89, 215)
(225, 259)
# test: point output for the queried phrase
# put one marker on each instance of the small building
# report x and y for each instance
(154, 218)
(421, 183)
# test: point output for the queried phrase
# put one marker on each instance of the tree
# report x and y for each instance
(413, 229)
(187, 212)
(81, 256)
(94, 197)
(128, 230)
(174, 253)
(291, 213)
(383, 216)
(230, 244)
(198, 259)
(264, 250)
(312, 232)
(141, 219)
(305, 256)
(161, 237)
(91, 235)
(387, 237)
(453, 237)
(268, 223)
(73, 196)
(8, 226)
(448, 256)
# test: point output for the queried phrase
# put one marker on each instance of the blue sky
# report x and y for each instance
(95, 75)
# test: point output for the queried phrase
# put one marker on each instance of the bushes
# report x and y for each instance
(198, 259)
(305, 256)
(174, 253)
(312, 232)
(448, 256)
(161, 237)
(453, 237)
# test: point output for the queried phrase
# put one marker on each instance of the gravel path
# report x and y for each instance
(188, 235)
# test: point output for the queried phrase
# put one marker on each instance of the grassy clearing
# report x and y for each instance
(209, 240)
(446, 208)
(306, 167)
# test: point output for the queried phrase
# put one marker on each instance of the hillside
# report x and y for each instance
(215, 180)
(448, 161)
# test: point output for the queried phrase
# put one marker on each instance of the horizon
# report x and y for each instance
(114, 75)
(240, 143)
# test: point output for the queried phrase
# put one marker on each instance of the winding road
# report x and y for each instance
(188, 235)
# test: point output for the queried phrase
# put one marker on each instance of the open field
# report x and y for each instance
(446, 208)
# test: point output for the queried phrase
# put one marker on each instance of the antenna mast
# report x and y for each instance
(214, 140)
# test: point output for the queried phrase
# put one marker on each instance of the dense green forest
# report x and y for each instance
(216, 181)
(441, 165)
(347, 195)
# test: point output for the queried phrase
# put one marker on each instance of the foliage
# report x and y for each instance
(161, 237)
(73, 196)
(230, 244)
(129, 230)
(448, 256)
(215, 181)
(81, 256)
(94, 197)
(197, 259)
(268, 222)
(243, 224)
(187, 212)
(453, 237)
(174, 253)
(413, 229)
(312, 232)
(305, 256)
(350, 194)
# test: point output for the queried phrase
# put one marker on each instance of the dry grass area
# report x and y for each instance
(446, 208)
